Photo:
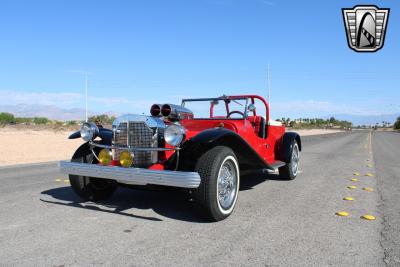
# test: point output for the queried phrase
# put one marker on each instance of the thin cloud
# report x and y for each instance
(68, 100)
(8, 97)
(318, 108)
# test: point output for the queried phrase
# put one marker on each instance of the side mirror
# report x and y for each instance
(251, 108)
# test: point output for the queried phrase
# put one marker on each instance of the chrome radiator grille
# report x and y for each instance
(136, 135)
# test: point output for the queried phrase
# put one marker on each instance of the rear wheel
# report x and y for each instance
(289, 171)
(90, 188)
(220, 179)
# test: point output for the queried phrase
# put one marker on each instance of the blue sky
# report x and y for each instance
(140, 52)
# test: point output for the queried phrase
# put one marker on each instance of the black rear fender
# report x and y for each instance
(287, 145)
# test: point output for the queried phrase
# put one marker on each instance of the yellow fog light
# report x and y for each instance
(125, 159)
(105, 157)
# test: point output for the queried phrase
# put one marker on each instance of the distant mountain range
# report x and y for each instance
(56, 113)
(51, 112)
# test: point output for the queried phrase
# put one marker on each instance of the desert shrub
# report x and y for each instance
(58, 123)
(102, 119)
(6, 118)
(69, 123)
(23, 120)
(307, 123)
(40, 120)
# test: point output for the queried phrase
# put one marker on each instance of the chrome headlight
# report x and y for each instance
(174, 134)
(88, 131)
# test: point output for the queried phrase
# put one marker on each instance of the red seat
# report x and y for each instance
(258, 123)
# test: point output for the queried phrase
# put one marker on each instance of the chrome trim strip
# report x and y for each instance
(133, 149)
(132, 175)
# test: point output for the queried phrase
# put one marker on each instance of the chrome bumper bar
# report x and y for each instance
(135, 176)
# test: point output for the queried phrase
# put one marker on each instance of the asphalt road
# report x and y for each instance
(275, 223)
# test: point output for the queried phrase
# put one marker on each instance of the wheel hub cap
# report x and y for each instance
(295, 159)
(227, 185)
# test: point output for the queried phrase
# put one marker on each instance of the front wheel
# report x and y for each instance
(289, 171)
(90, 188)
(220, 179)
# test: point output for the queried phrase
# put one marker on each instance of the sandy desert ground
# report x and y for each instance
(21, 146)
(307, 132)
(30, 146)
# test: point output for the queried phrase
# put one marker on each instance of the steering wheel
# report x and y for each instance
(233, 112)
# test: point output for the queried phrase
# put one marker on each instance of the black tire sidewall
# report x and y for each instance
(85, 186)
(286, 172)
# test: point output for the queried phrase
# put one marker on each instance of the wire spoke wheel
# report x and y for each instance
(227, 184)
(295, 159)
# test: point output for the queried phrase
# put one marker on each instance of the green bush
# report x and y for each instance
(71, 123)
(102, 119)
(6, 118)
(23, 120)
(307, 123)
(40, 120)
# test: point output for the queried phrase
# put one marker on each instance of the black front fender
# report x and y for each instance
(105, 135)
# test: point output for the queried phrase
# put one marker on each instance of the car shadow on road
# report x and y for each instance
(250, 180)
(168, 202)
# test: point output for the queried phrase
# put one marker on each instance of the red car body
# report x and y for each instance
(177, 147)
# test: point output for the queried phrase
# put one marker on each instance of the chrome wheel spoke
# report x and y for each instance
(295, 159)
(227, 185)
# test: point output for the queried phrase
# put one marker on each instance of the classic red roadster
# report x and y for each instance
(203, 151)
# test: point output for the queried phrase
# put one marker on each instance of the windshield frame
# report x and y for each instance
(225, 100)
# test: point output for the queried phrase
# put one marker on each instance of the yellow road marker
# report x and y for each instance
(354, 180)
(342, 213)
(58, 180)
(369, 165)
(369, 174)
(368, 217)
(66, 181)
(348, 198)
(352, 187)
(356, 174)
(369, 189)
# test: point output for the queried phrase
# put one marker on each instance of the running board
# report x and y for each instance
(277, 164)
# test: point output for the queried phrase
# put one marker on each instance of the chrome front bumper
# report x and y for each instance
(135, 176)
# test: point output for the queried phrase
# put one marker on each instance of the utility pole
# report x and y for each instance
(269, 88)
(86, 96)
